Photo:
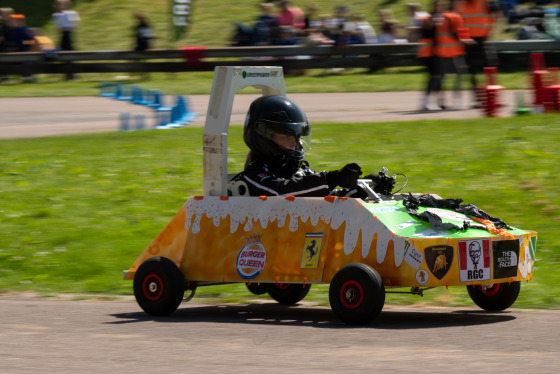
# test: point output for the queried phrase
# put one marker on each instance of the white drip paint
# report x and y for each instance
(249, 211)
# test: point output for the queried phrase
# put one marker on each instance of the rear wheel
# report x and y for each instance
(357, 294)
(288, 293)
(159, 286)
(498, 297)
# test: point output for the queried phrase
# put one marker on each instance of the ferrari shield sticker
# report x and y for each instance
(251, 258)
(505, 254)
(439, 259)
(474, 260)
(311, 250)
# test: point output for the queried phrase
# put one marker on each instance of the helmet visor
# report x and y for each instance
(300, 131)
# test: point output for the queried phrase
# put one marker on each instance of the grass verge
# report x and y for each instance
(197, 83)
(77, 210)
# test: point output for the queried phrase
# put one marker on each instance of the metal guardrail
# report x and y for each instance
(511, 54)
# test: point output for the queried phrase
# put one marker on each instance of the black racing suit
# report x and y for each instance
(263, 181)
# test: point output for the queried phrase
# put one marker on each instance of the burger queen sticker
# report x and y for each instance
(251, 258)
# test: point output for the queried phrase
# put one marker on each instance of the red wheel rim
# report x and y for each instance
(492, 291)
(152, 287)
(282, 286)
(351, 294)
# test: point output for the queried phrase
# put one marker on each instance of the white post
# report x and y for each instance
(228, 80)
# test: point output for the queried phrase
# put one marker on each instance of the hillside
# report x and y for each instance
(108, 24)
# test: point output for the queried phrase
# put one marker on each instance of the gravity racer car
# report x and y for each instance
(360, 247)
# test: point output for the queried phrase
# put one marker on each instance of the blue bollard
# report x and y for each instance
(107, 89)
(123, 92)
(140, 120)
(125, 121)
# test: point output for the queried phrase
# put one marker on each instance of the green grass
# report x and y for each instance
(77, 210)
(314, 81)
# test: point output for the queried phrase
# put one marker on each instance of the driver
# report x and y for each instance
(277, 133)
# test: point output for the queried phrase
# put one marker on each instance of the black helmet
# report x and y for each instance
(271, 115)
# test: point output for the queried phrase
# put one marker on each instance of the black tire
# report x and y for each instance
(159, 286)
(357, 294)
(496, 298)
(288, 294)
(258, 288)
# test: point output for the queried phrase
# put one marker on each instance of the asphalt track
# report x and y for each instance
(69, 336)
(51, 116)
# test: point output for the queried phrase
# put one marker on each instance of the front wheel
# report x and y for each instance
(496, 298)
(159, 286)
(288, 294)
(357, 294)
(258, 288)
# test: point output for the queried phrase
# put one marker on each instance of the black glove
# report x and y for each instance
(346, 177)
(383, 184)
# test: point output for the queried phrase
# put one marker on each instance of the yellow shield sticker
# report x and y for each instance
(311, 250)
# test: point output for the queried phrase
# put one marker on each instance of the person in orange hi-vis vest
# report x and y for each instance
(426, 55)
(442, 49)
(451, 39)
(479, 17)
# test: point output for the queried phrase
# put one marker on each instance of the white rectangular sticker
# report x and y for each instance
(385, 209)
(412, 256)
(406, 224)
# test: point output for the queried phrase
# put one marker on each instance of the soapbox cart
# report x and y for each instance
(283, 245)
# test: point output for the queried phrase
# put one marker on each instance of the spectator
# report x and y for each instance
(414, 22)
(22, 39)
(5, 25)
(290, 15)
(316, 29)
(263, 30)
(336, 25)
(359, 31)
(310, 17)
(339, 18)
(388, 26)
(266, 25)
(479, 17)
(319, 34)
(143, 32)
(450, 45)
(66, 21)
(443, 48)
(286, 36)
(426, 54)
(244, 35)
(21, 35)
